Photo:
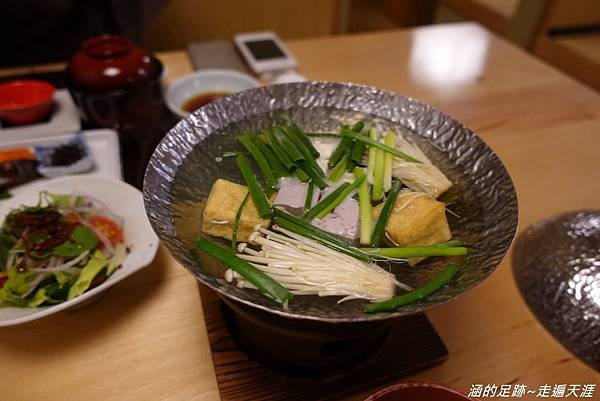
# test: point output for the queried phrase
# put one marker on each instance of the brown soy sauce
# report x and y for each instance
(200, 100)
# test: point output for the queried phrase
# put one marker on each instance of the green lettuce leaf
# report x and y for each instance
(57, 293)
(85, 237)
(15, 286)
(39, 298)
(18, 282)
(60, 199)
(64, 279)
(117, 259)
(89, 271)
(82, 239)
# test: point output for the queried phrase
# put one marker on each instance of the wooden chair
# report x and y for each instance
(569, 38)
(185, 21)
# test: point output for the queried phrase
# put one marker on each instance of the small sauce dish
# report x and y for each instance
(71, 157)
(203, 86)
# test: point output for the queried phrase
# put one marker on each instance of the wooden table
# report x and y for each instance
(146, 340)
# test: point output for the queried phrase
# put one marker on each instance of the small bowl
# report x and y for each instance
(416, 391)
(25, 101)
(48, 170)
(203, 81)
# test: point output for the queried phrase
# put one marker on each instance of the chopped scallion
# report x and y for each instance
(236, 223)
(338, 171)
(343, 148)
(312, 213)
(346, 133)
(385, 214)
(309, 158)
(416, 295)
(341, 196)
(364, 202)
(261, 161)
(304, 228)
(309, 196)
(260, 280)
(256, 192)
(278, 168)
(358, 148)
(372, 153)
(301, 135)
(288, 146)
(283, 157)
(416, 251)
(377, 190)
(390, 140)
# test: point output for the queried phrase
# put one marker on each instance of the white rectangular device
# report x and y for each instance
(264, 51)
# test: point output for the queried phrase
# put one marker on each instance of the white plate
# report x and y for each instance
(103, 144)
(122, 199)
(64, 118)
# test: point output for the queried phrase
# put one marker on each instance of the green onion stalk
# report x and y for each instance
(371, 156)
(236, 223)
(358, 147)
(281, 155)
(346, 133)
(390, 140)
(377, 190)
(340, 198)
(321, 205)
(304, 228)
(416, 295)
(256, 192)
(416, 251)
(344, 148)
(260, 280)
(384, 216)
(261, 161)
(278, 168)
(307, 151)
(364, 202)
(338, 171)
(309, 196)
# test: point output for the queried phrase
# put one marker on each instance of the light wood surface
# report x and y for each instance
(146, 340)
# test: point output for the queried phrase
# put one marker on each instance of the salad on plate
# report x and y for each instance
(58, 249)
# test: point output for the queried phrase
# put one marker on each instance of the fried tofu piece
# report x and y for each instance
(417, 219)
(221, 207)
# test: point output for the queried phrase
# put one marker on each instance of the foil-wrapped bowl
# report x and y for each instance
(186, 163)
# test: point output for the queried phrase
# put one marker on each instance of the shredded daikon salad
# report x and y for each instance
(58, 249)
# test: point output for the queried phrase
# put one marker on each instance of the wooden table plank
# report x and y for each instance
(146, 338)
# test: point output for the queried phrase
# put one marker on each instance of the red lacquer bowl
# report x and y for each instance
(110, 62)
(415, 391)
(25, 101)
